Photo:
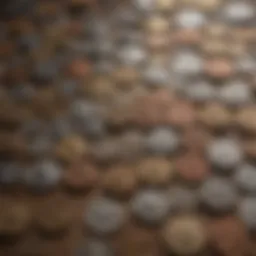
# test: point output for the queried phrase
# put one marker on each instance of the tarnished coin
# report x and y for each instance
(155, 171)
(150, 206)
(15, 217)
(219, 194)
(104, 216)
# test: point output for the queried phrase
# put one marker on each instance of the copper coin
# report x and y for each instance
(136, 240)
(186, 37)
(192, 167)
(79, 68)
(196, 138)
(150, 110)
(181, 114)
(229, 236)
(219, 68)
(6, 48)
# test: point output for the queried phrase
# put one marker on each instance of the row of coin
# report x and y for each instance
(149, 207)
(225, 235)
(190, 168)
(231, 96)
(235, 12)
(213, 176)
(50, 216)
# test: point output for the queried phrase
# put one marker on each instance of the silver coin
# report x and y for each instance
(219, 194)
(225, 153)
(104, 216)
(132, 55)
(186, 63)
(245, 178)
(162, 141)
(43, 176)
(200, 91)
(95, 247)
(235, 93)
(151, 206)
(246, 64)
(10, 173)
(239, 12)
(189, 19)
(183, 199)
(145, 5)
(247, 212)
(156, 75)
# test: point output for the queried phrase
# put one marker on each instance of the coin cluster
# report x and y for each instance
(128, 128)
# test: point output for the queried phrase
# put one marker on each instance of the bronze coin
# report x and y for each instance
(6, 48)
(157, 24)
(215, 116)
(245, 119)
(229, 236)
(140, 110)
(80, 176)
(192, 167)
(120, 181)
(136, 240)
(208, 6)
(125, 78)
(217, 30)
(71, 149)
(165, 5)
(187, 230)
(14, 217)
(249, 147)
(54, 215)
(155, 171)
(102, 89)
(215, 48)
(157, 41)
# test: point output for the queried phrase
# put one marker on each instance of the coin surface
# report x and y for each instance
(127, 127)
